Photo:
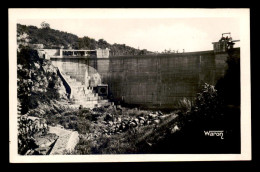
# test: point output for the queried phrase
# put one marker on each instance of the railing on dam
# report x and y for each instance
(64, 53)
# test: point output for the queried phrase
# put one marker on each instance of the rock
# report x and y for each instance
(174, 129)
(108, 117)
(42, 145)
(157, 121)
(160, 113)
(142, 122)
(151, 115)
(122, 126)
(142, 118)
(163, 117)
(41, 150)
(119, 119)
(150, 144)
(133, 124)
(118, 107)
(110, 123)
(113, 130)
(118, 125)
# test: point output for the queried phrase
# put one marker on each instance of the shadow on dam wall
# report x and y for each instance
(151, 81)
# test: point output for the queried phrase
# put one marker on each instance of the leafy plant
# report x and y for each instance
(185, 105)
(25, 135)
(208, 101)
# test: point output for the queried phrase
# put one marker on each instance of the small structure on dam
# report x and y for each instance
(224, 43)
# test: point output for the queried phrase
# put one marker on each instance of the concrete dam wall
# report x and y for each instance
(150, 81)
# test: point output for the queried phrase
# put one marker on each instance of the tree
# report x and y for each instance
(102, 43)
(229, 85)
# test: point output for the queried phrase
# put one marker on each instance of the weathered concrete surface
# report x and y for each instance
(153, 81)
(73, 140)
(66, 142)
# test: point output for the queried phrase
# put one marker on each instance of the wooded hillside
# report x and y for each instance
(51, 38)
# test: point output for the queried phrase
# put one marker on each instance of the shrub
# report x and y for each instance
(229, 85)
(83, 125)
(83, 146)
(25, 135)
(208, 104)
(185, 105)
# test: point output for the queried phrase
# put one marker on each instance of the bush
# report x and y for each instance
(25, 135)
(229, 86)
(185, 105)
(207, 105)
(84, 146)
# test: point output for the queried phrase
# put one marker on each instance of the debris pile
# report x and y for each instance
(111, 120)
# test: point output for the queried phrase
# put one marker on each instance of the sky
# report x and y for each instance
(153, 34)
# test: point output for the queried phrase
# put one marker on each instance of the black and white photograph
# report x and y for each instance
(119, 85)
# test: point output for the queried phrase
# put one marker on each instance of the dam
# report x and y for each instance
(156, 81)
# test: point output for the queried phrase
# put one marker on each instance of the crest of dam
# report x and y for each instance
(149, 81)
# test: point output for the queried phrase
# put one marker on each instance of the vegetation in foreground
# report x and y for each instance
(176, 132)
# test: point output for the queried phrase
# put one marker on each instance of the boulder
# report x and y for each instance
(141, 118)
(108, 117)
(160, 113)
(110, 123)
(142, 122)
(119, 119)
(133, 124)
(151, 115)
(174, 129)
(163, 117)
(157, 121)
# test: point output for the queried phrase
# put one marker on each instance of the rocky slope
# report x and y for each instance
(38, 82)
(41, 94)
